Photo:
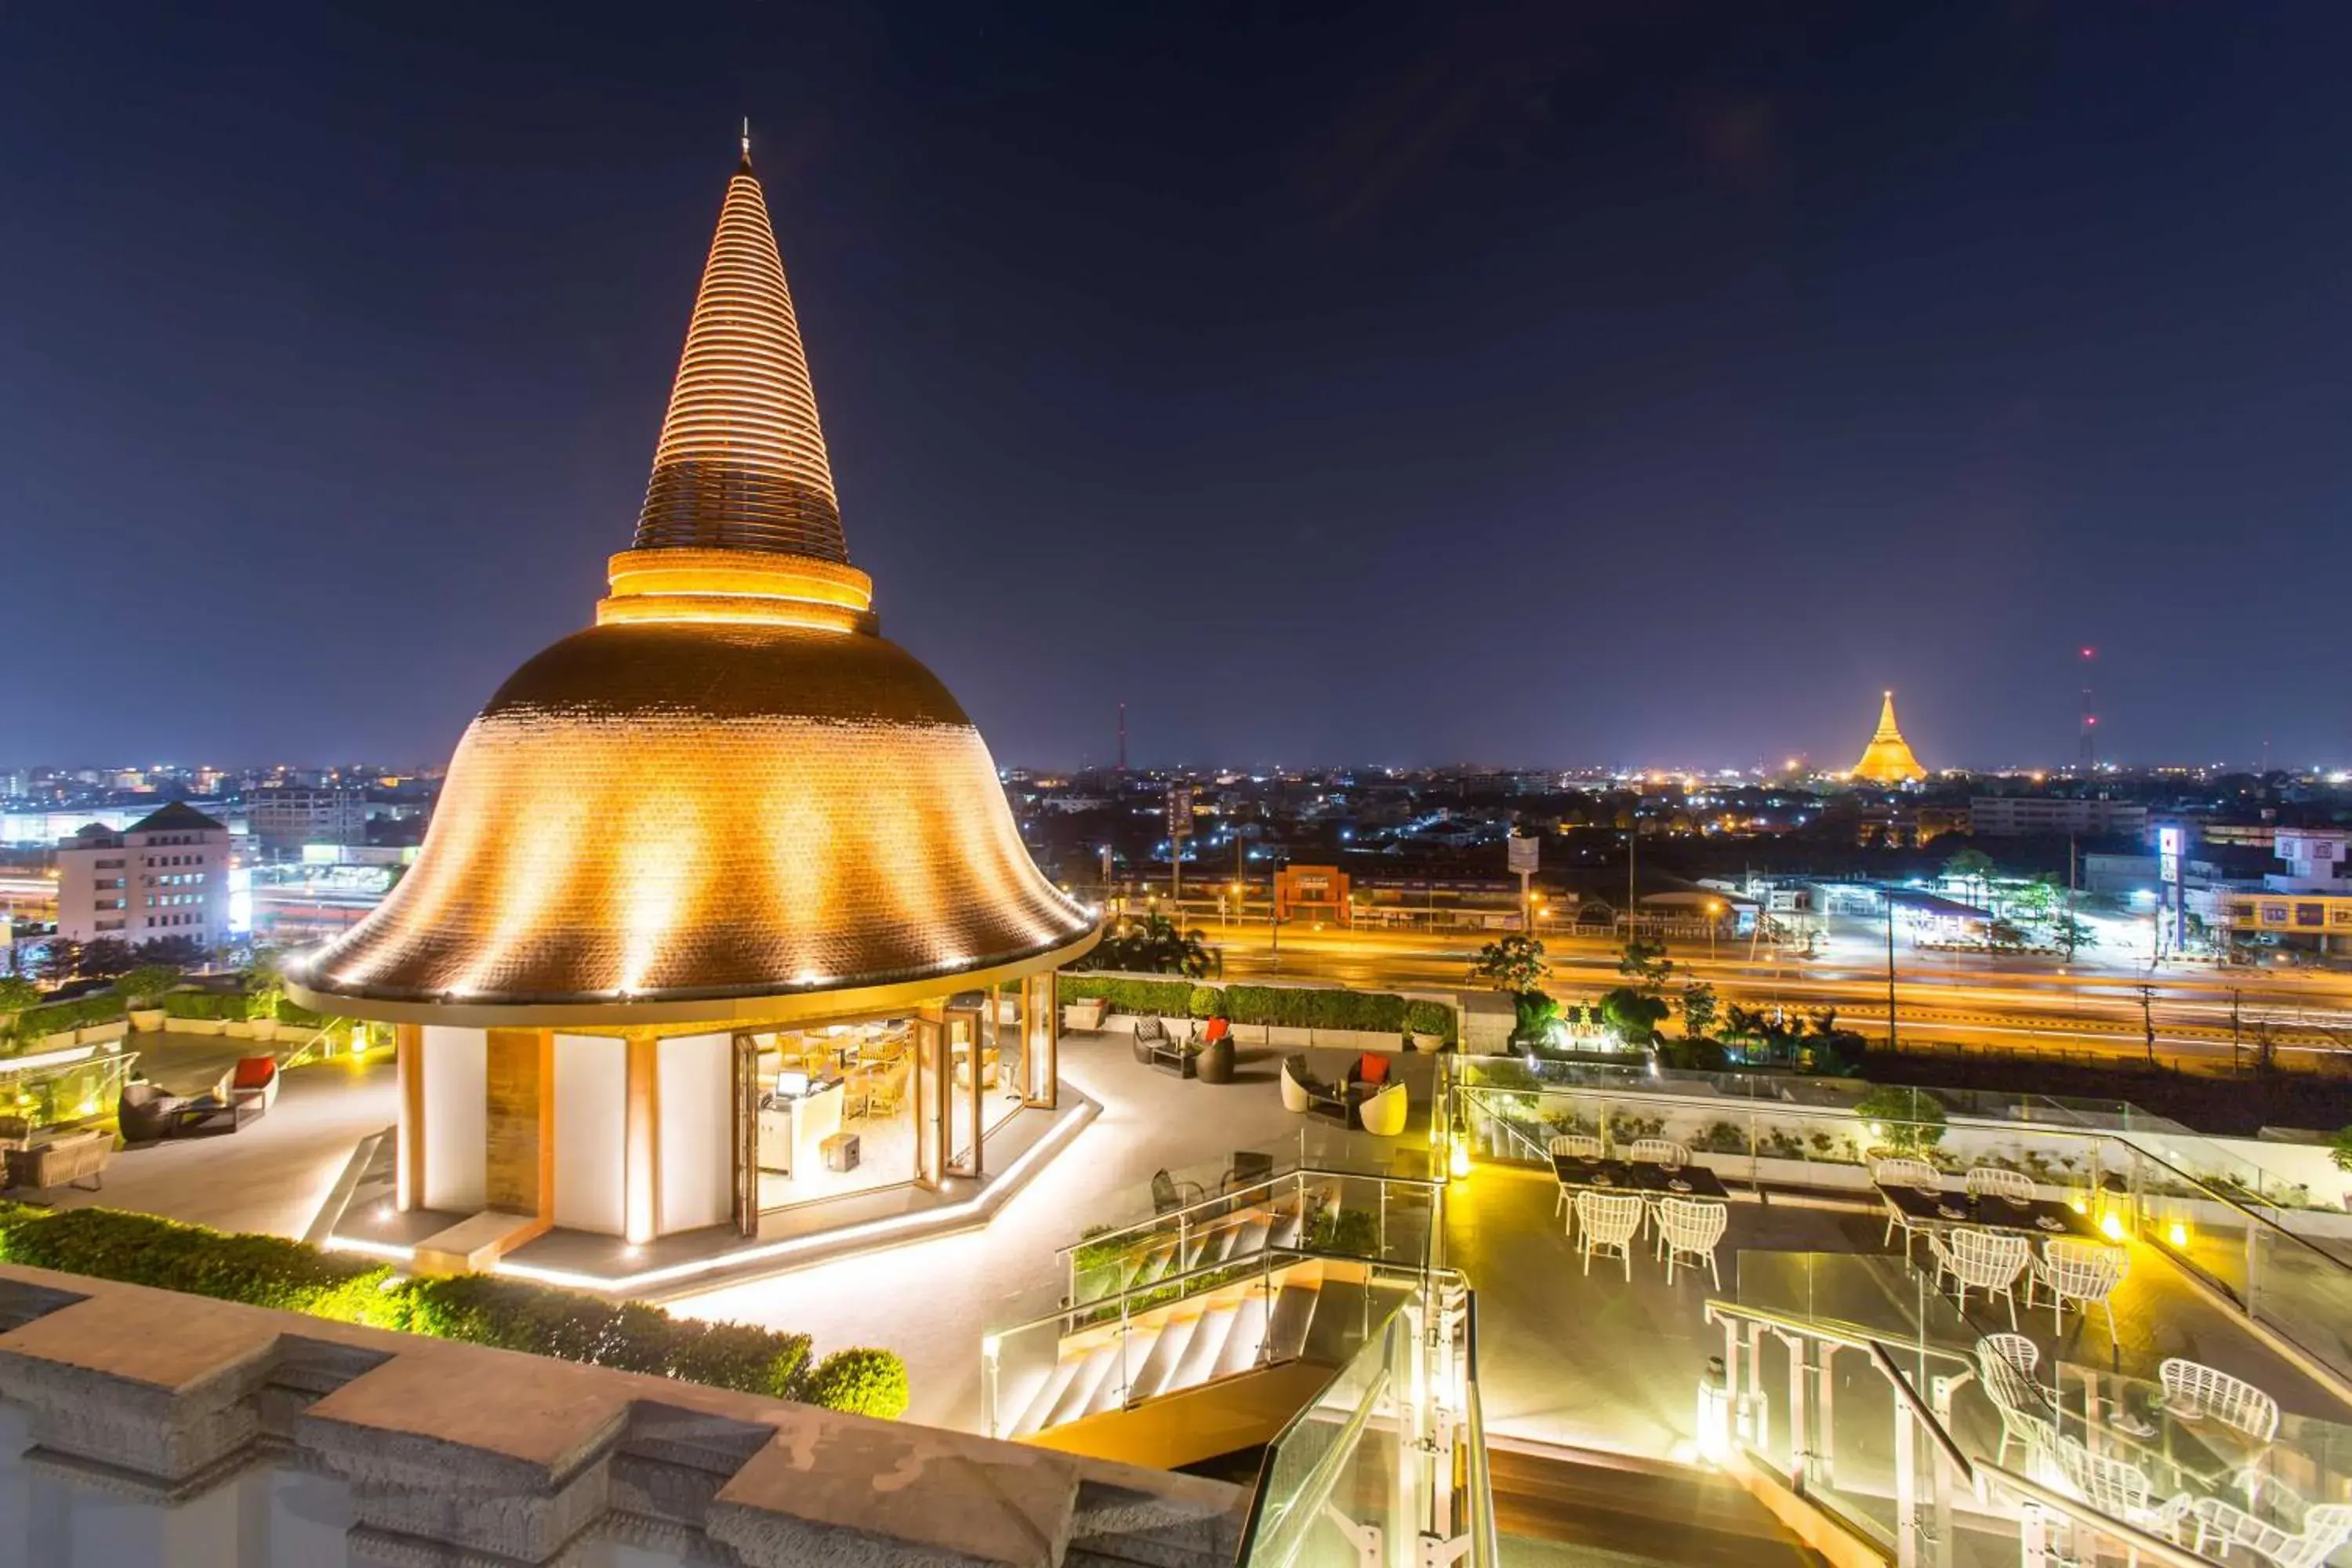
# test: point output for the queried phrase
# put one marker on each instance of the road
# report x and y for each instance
(2025, 1001)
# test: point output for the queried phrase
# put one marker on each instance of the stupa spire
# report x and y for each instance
(1887, 759)
(742, 462)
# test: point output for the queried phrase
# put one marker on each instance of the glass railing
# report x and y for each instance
(2297, 1287)
(1387, 1466)
(1888, 1433)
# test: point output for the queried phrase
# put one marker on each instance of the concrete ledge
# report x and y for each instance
(474, 1244)
(453, 1453)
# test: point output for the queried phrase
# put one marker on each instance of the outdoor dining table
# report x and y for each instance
(2309, 1462)
(1645, 1177)
(2036, 1216)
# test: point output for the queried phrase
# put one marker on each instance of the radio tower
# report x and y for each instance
(1122, 740)
(2089, 743)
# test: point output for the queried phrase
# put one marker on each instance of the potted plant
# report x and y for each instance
(1426, 1025)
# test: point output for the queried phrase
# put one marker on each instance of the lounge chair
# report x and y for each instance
(1382, 1113)
(77, 1158)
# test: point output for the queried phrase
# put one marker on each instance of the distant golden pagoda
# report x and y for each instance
(1887, 759)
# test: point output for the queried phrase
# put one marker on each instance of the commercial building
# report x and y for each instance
(285, 817)
(724, 913)
(2034, 816)
(166, 875)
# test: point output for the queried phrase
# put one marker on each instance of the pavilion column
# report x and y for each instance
(641, 1141)
(519, 1122)
(408, 1152)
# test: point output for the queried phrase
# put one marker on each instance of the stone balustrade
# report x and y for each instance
(140, 1427)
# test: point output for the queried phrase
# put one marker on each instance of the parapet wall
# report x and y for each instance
(140, 1427)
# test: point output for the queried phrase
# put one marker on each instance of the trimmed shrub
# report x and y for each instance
(288, 1013)
(229, 1004)
(478, 1309)
(1206, 1002)
(1167, 998)
(59, 1016)
(1378, 1012)
(862, 1382)
(1430, 1018)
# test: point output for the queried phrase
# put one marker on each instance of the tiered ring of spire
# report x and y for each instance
(741, 464)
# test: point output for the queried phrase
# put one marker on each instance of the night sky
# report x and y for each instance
(1548, 385)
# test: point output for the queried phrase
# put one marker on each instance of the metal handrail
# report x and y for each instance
(1847, 1337)
(2150, 1548)
(1922, 1412)
(1324, 1476)
(1230, 1195)
(1095, 1307)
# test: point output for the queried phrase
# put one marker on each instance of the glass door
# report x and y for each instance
(931, 1103)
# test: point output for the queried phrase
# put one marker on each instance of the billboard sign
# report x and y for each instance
(1522, 850)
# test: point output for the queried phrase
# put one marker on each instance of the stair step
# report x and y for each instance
(1249, 1237)
(1639, 1512)
(1294, 1309)
(1201, 1356)
(1049, 1394)
(1080, 1390)
(1112, 1391)
(1246, 1340)
(1167, 1352)
(1285, 1231)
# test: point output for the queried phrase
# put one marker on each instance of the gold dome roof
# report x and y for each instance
(732, 787)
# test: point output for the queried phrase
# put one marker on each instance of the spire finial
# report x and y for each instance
(747, 136)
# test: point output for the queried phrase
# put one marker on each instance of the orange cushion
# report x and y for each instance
(1372, 1068)
(255, 1072)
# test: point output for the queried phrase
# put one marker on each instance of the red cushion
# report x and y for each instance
(255, 1072)
(1372, 1068)
(1215, 1031)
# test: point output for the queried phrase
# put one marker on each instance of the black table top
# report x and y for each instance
(2041, 1216)
(1649, 1179)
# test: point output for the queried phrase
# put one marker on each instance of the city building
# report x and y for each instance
(284, 817)
(2030, 815)
(2315, 861)
(1887, 759)
(724, 919)
(166, 875)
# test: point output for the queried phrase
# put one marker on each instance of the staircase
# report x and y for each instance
(1568, 1507)
(1227, 1238)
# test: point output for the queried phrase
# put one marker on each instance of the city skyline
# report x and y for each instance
(1339, 403)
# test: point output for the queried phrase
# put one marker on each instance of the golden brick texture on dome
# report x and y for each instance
(742, 462)
(672, 812)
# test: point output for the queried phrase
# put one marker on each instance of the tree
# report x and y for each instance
(145, 986)
(1903, 1119)
(60, 960)
(1971, 866)
(104, 957)
(1698, 1008)
(1514, 962)
(2070, 933)
(16, 993)
(1632, 1016)
(1646, 963)
(2340, 1152)
(1153, 945)
(180, 952)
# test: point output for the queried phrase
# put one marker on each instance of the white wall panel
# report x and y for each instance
(697, 1137)
(456, 1086)
(591, 1091)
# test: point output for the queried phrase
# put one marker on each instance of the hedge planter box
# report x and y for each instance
(146, 1019)
(60, 1040)
(94, 1034)
(242, 1029)
(200, 1026)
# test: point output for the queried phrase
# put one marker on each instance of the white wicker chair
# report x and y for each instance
(1914, 1173)
(2024, 1413)
(2208, 1390)
(1572, 1146)
(2223, 1527)
(2116, 1488)
(1993, 1182)
(2085, 1273)
(1688, 1230)
(1658, 1152)
(1984, 1260)
(2015, 1349)
(1609, 1220)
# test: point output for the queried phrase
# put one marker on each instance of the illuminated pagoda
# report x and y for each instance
(722, 910)
(1887, 759)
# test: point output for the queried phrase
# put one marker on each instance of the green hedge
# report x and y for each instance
(1378, 1012)
(234, 1006)
(1168, 998)
(288, 1013)
(59, 1016)
(1290, 1006)
(477, 1308)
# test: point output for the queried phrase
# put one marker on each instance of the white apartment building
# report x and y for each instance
(165, 875)
(284, 817)
(2028, 816)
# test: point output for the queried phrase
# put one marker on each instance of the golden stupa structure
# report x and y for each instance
(1887, 759)
(722, 908)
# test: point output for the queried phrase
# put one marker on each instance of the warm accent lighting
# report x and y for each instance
(2111, 1223)
(2178, 1234)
